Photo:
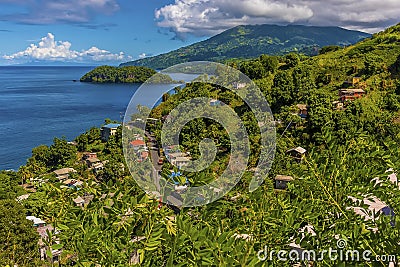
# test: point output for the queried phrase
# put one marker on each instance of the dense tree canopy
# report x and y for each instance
(18, 239)
(128, 74)
(9, 188)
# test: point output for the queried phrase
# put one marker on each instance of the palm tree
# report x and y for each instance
(25, 173)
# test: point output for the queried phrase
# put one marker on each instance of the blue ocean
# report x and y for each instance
(40, 103)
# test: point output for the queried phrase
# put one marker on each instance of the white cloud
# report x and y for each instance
(142, 55)
(51, 11)
(48, 49)
(207, 17)
(366, 15)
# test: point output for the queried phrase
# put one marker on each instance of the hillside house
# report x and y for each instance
(91, 162)
(109, 130)
(97, 167)
(138, 123)
(215, 103)
(37, 222)
(43, 230)
(281, 181)
(350, 94)
(180, 161)
(43, 247)
(152, 121)
(83, 201)
(302, 110)
(63, 174)
(73, 183)
(89, 155)
(79, 201)
(137, 144)
(297, 153)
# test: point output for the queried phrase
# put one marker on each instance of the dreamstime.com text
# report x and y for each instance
(340, 254)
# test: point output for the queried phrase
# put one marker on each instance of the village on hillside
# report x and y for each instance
(146, 148)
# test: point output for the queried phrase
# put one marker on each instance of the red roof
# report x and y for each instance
(138, 143)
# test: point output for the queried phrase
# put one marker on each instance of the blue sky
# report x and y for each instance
(131, 28)
(113, 31)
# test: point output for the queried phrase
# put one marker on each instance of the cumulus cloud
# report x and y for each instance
(48, 49)
(57, 11)
(208, 17)
(365, 15)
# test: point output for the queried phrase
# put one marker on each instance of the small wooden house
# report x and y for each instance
(63, 174)
(350, 94)
(79, 201)
(297, 153)
(91, 162)
(138, 144)
(83, 201)
(281, 181)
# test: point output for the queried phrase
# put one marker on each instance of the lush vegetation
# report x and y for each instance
(19, 239)
(129, 74)
(254, 40)
(347, 149)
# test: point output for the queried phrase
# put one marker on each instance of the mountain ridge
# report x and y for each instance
(253, 40)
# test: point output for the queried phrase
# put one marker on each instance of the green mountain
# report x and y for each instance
(252, 41)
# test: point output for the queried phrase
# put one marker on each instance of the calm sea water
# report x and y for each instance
(40, 103)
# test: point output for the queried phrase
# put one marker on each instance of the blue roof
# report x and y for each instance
(112, 125)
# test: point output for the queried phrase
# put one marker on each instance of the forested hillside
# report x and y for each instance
(352, 145)
(254, 40)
